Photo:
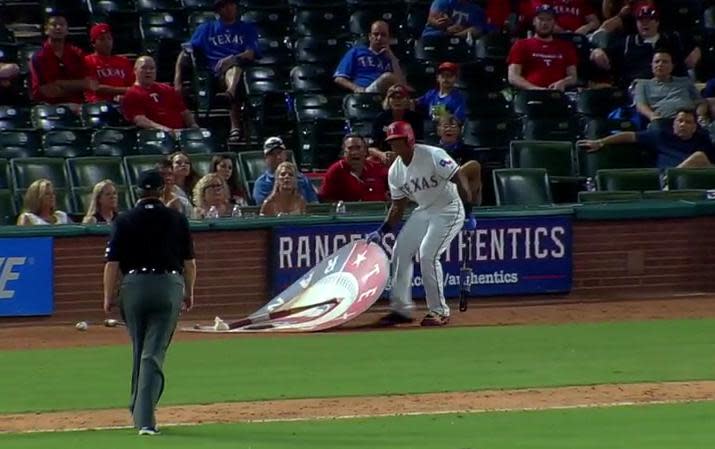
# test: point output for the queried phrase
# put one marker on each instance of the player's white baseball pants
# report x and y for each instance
(429, 231)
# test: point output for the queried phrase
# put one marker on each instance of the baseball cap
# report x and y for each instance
(150, 180)
(448, 67)
(97, 30)
(218, 4)
(647, 12)
(397, 89)
(400, 130)
(273, 143)
(545, 9)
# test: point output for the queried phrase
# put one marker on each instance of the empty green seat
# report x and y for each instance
(20, 143)
(253, 165)
(691, 178)
(555, 157)
(628, 179)
(612, 156)
(153, 141)
(521, 187)
(675, 195)
(26, 170)
(4, 174)
(605, 197)
(8, 211)
(133, 165)
(101, 114)
(198, 141)
(87, 171)
(113, 142)
(47, 117)
(66, 143)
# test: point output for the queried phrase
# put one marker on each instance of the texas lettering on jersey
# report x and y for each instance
(416, 184)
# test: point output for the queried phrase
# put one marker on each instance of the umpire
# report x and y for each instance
(152, 247)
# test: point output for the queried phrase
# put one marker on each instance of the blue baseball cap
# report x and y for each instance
(545, 9)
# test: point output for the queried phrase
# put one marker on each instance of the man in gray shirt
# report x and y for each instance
(662, 96)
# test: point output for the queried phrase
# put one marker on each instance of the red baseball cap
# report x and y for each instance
(98, 30)
(400, 130)
(448, 67)
(397, 89)
(647, 12)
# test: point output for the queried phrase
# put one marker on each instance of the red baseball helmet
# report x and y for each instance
(400, 130)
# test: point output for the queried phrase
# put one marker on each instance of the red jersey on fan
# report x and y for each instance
(159, 103)
(115, 71)
(341, 184)
(570, 14)
(46, 68)
(543, 62)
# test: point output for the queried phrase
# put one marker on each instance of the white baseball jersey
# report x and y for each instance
(426, 181)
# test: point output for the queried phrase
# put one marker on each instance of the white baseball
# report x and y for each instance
(81, 326)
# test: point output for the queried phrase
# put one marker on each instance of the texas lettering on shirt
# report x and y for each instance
(226, 39)
(373, 62)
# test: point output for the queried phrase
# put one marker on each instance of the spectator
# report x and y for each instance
(619, 15)
(373, 68)
(38, 207)
(662, 96)
(225, 46)
(355, 177)
(114, 74)
(449, 130)
(185, 177)
(396, 107)
(457, 18)
(104, 205)
(153, 105)
(275, 153)
(683, 145)
(573, 16)
(632, 58)
(9, 71)
(57, 70)
(446, 98)
(223, 165)
(211, 192)
(171, 195)
(543, 62)
(286, 198)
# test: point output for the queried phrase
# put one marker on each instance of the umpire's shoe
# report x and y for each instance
(434, 319)
(393, 319)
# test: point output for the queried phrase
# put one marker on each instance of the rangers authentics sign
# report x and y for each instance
(508, 256)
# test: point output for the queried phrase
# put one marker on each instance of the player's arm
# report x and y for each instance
(465, 193)
(394, 215)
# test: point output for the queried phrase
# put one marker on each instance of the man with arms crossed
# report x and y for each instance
(430, 177)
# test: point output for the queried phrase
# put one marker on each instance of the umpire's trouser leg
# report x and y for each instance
(150, 305)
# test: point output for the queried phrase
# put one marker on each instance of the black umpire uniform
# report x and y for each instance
(151, 245)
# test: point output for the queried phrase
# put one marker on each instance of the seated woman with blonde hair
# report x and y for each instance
(212, 197)
(286, 198)
(104, 205)
(38, 207)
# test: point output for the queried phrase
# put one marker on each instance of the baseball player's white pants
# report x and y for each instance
(429, 231)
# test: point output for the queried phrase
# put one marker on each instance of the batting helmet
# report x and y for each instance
(400, 130)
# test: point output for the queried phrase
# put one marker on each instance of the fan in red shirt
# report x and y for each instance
(57, 70)
(573, 16)
(542, 62)
(114, 74)
(153, 105)
(355, 177)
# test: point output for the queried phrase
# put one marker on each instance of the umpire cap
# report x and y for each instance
(150, 180)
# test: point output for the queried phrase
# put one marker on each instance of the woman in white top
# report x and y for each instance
(171, 195)
(38, 207)
(286, 198)
(185, 177)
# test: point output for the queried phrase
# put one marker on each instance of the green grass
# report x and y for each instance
(648, 427)
(453, 359)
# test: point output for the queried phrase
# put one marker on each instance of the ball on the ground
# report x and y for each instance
(81, 326)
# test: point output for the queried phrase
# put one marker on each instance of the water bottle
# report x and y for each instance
(340, 208)
(212, 213)
(236, 212)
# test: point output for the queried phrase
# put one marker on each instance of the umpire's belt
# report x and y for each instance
(147, 270)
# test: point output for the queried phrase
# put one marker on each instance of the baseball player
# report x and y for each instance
(429, 177)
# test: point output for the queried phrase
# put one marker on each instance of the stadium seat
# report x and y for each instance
(600, 127)
(541, 103)
(691, 178)
(485, 75)
(325, 23)
(259, 80)
(362, 107)
(564, 129)
(421, 75)
(66, 143)
(600, 102)
(47, 117)
(4, 174)
(312, 78)
(269, 115)
(686, 16)
(583, 50)
(162, 34)
(363, 17)
(488, 132)
(607, 197)
(320, 142)
(26, 170)
(82, 196)
(709, 18)
(8, 211)
(487, 104)
(611, 156)
(319, 50)
(197, 5)
(557, 158)
(87, 171)
(158, 5)
(196, 141)
(438, 49)
(314, 106)
(628, 179)
(317, 4)
(133, 165)
(12, 117)
(151, 141)
(521, 187)
(197, 18)
(98, 115)
(20, 143)
(271, 23)
(275, 52)
(676, 195)
(415, 21)
(493, 45)
(113, 142)
(252, 165)
(102, 9)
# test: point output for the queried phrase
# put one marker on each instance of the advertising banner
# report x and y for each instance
(508, 256)
(26, 276)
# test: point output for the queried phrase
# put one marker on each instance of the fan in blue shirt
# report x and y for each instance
(275, 152)
(446, 98)
(455, 18)
(370, 69)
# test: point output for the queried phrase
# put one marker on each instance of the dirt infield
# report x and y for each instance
(33, 337)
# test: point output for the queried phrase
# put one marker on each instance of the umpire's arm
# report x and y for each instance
(113, 254)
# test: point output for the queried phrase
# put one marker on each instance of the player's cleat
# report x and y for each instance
(149, 431)
(393, 319)
(434, 319)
